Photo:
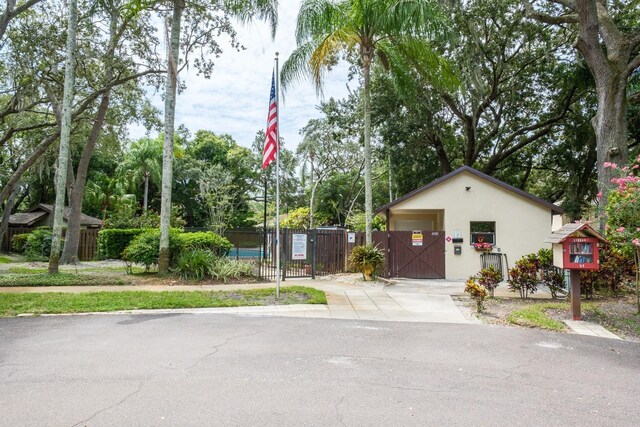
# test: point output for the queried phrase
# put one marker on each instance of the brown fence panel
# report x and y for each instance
(330, 250)
(88, 245)
(425, 261)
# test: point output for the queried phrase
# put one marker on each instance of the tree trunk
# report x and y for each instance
(72, 239)
(169, 119)
(368, 185)
(6, 213)
(312, 203)
(146, 191)
(610, 126)
(65, 136)
(390, 176)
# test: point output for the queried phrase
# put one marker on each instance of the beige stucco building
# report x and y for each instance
(466, 207)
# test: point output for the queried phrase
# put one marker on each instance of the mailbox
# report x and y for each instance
(580, 253)
(575, 247)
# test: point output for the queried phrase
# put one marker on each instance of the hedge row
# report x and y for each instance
(36, 245)
(144, 249)
(113, 241)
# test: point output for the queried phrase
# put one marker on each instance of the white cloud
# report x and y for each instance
(235, 99)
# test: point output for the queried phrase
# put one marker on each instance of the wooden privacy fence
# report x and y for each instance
(8, 236)
(87, 247)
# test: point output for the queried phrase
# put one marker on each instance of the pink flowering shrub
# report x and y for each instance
(623, 215)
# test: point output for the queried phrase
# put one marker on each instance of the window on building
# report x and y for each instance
(483, 232)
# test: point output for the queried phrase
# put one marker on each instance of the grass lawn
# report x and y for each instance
(5, 260)
(536, 316)
(60, 279)
(64, 268)
(41, 303)
(619, 315)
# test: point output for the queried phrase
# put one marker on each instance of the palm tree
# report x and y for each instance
(65, 137)
(105, 192)
(245, 11)
(143, 163)
(370, 29)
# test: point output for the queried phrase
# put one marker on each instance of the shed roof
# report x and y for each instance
(554, 208)
(567, 230)
(25, 219)
(84, 219)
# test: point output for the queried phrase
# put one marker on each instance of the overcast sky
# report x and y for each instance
(236, 97)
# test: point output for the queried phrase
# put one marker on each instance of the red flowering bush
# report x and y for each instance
(623, 215)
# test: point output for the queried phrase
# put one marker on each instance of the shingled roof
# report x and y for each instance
(567, 230)
(84, 219)
(27, 219)
(554, 208)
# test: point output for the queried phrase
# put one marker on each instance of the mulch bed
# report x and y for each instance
(619, 315)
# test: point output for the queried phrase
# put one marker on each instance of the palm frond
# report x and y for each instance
(413, 57)
(416, 18)
(296, 67)
(248, 10)
(325, 54)
(318, 18)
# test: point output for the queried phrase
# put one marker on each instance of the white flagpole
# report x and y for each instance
(277, 180)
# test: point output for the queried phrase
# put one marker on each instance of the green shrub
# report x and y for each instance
(145, 248)
(550, 276)
(112, 241)
(38, 244)
(366, 258)
(523, 277)
(195, 264)
(225, 269)
(477, 292)
(209, 240)
(18, 243)
(125, 217)
(617, 271)
(489, 278)
(553, 278)
(357, 222)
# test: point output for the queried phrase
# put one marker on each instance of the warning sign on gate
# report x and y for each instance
(416, 238)
(299, 246)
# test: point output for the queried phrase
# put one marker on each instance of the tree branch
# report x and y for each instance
(633, 64)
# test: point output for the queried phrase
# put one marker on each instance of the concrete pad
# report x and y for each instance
(588, 328)
(424, 303)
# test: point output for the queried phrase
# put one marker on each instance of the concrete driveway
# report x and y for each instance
(404, 301)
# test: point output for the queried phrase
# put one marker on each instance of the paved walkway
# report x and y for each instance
(407, 301)
(589, 328)
(403, 303)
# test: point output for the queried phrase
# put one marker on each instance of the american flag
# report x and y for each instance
(271, 140)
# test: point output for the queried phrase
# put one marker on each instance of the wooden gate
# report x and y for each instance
(416, 258)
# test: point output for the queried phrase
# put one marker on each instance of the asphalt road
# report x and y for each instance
(184, 370)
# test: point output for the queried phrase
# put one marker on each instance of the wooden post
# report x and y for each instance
(387, 252)
(575, 295)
